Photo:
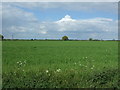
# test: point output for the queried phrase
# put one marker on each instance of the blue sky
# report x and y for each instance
(55, 14)
(58, 13)
(54, 20)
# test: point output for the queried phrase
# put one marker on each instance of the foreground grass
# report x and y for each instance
(60, 64)
(0, 64)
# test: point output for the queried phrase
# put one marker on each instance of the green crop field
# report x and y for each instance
(60, 64)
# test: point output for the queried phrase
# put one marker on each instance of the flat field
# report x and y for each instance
(60, 64)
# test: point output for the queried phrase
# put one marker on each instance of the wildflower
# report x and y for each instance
(20, 64)
(91, 67)
(25, 61)
(58, 70)
(75, 63)
(47, 71)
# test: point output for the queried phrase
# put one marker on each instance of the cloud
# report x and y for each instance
(87, 25)
(95, 27)
(16, 20)
(15, 16)
(23, 24)
(110, 7)
(67, 18)
(18, 29)
(43, 29)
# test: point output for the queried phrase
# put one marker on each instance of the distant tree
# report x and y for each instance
(96, 40)
(113, 39)
(1, 37)
(90, 39)
(65, 38)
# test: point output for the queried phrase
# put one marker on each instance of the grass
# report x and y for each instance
(60, 64)
(0, 64)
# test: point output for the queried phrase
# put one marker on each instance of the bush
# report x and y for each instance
(90, 39)
(65, 38)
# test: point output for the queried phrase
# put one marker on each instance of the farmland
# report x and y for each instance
(60, 64)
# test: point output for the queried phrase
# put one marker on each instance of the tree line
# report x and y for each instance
(64, 38)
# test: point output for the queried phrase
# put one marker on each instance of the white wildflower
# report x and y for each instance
(91, 67)
(47, 71)
(25, 61)
(58, 70)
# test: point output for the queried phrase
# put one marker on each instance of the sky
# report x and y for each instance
(52, 20)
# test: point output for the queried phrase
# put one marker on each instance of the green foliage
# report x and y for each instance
(90, 39)
(63, 79)
(65, 38)
(1, 37)
(53, 64)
